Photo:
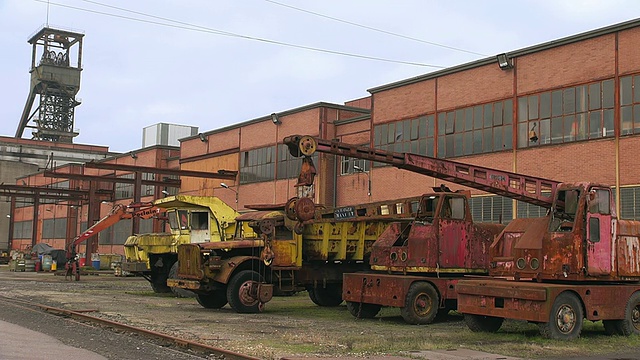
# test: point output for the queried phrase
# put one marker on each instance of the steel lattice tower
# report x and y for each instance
(56, 79)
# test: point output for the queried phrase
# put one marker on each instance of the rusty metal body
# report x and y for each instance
(579, 260)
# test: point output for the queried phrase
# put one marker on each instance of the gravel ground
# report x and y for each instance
(289, 327)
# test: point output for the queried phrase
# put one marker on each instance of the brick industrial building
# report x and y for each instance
(566, 110)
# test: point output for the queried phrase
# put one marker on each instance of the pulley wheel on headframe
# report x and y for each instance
(305, 209)
(307, 145)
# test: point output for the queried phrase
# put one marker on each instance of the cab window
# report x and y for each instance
(173, 220)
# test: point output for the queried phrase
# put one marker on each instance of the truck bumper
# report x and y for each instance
(505, 299)
(135, 267)
(184, 284)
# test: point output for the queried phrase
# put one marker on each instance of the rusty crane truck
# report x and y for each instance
(580, 261)
(416, 265)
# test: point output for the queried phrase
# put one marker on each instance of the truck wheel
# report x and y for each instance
(179, 292)
(631, 323)
(612, 327)
(214, 300)
(363, 310)
(481, 323)
(328, 296)
(421, 304)
(565, 319)
(241, 292)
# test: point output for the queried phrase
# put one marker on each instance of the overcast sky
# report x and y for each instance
(138, 73)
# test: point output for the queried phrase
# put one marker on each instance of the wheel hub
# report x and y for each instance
(566, 319)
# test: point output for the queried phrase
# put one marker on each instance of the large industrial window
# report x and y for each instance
(630, 203)
(476, 129)
(288, 165)
(630, 105)
(526, 210)
(491, 209)
(22, 229)
(410, 135)
(566, 115)
(54, 228)
(257, 165)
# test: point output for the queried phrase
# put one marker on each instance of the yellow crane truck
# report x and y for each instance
(192, 219)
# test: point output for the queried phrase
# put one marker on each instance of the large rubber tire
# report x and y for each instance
(239, 295)
(328, 296)
(214, 300)
(481, 323)
(363, 310)
(565, 318)
(179, 292)
(630, 325)
(421, 304)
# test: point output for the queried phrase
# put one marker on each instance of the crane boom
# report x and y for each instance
(530, 189)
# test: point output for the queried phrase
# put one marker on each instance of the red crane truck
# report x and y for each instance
(415, 266)
(580, 261)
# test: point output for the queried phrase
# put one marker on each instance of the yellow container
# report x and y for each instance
(54, 265)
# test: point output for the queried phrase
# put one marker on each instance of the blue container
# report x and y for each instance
(96, 264)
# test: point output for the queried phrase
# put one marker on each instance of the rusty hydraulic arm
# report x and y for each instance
(525, 188)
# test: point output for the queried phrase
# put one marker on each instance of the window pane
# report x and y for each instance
(533, 107)
(459, 127)
(431, 125)
(626, 120)
(488, 115)
(468, 118)
(488, 140)
(450, 125)
(522, 109)
(430, 146)
(384, 130)
(441, 149)
(607, 122)
(508, 112)
(607, 94)
(556, 103)
(636, 119)
(477, 141)
(497, 113)
(626, 91)
(636, 94)
(422, 127)
(414, 129)
(545, 132)
(594, 96)
(497, 139)
(556, 130)
(570, 128)
(442, 119)
(449, 146)
(583, 126)
(533, 133)
(477, 117)
(569, 101)
(391, 135)
(595, 125)
(581, 98)
(468, 142)
(376, 136)
(457, 144)
(523, 135)
(406, 130)
(545, 105)
(508, 136)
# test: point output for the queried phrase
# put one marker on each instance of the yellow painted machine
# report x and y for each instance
(192, 220)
